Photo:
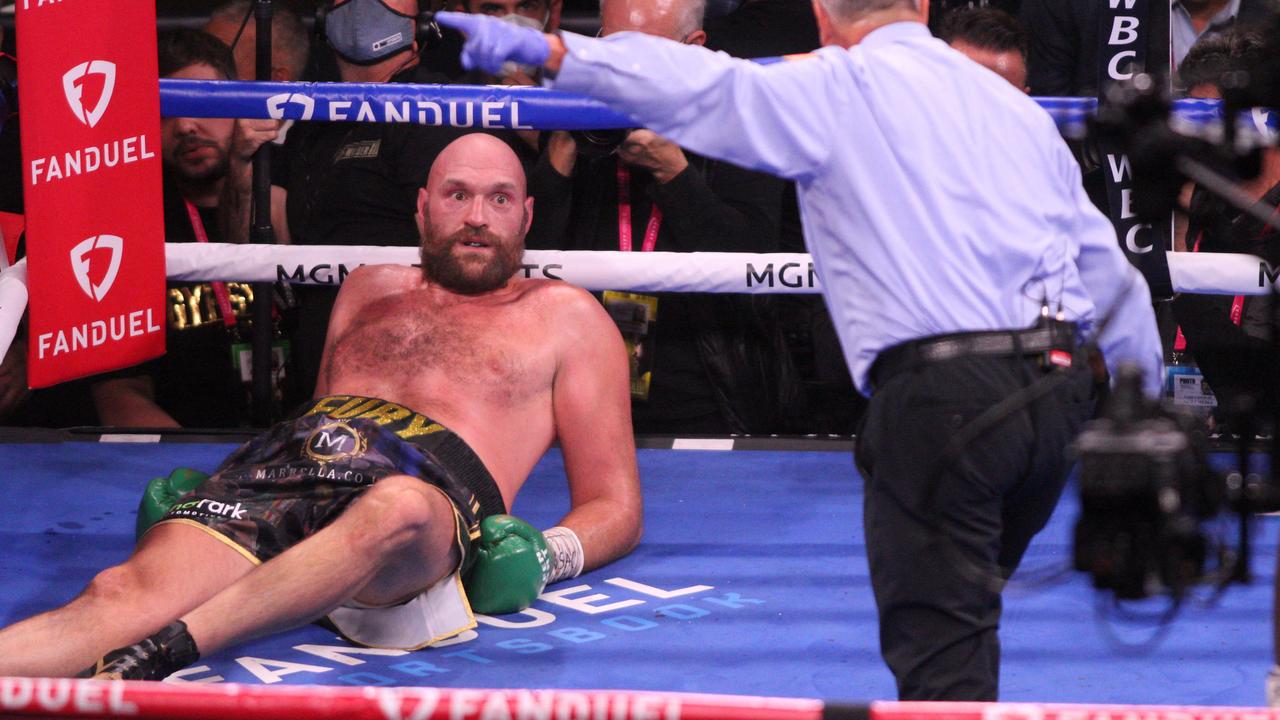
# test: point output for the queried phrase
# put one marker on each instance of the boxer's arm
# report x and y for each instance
(591, 402)
(129, 402)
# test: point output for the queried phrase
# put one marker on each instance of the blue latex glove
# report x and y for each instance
(492, 42)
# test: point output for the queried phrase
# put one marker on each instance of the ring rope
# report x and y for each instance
(484, 106)
(66, 697)
(595, 270)
(63, 697)
(501, 106)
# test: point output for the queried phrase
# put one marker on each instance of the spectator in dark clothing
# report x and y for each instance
(346, 183)
(940, 9)
(1193, 20)
(764, 28)
(441, 55)
(1066, 35)
(990, 37)
(539, 14)
(1063, 57)
(1229, 337)
(702, 363)
(290, 43)
(1201, 73)
(198, 381)
(771, 28)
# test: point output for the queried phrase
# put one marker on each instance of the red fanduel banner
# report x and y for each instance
(90, 113)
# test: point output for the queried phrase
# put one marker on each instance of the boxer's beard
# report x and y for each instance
(442, 266)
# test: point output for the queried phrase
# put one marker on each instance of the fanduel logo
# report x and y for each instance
(454, 113)
(73, 82)
(276, 103)
(80, 264)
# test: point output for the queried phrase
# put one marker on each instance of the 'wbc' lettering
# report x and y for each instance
(1124, 31)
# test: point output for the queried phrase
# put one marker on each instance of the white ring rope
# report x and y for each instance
(713, 272)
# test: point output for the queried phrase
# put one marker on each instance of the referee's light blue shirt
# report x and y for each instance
(935, 196)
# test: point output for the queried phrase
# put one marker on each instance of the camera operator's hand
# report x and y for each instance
(251, 134)
(650, 151)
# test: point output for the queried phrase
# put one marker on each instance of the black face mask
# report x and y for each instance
(367, 31)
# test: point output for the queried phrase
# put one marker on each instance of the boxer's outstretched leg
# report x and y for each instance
(174, 569)
(397, 538)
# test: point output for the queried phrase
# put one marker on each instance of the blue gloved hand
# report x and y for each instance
(492, 42)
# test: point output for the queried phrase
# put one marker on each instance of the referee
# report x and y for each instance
(962, 263)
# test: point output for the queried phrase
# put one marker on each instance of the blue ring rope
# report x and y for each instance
(490, 106)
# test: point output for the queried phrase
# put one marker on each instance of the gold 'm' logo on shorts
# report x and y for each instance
(334, 441)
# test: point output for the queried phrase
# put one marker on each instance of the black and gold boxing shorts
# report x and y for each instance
(297, 477)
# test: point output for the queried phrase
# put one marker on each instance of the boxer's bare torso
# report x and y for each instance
(483, 366)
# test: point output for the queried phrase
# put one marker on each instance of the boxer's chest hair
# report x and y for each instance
(482, 349)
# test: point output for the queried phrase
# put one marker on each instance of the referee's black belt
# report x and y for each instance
(1054, 341)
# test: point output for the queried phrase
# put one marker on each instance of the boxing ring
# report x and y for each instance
(750, 585)
(751, 579)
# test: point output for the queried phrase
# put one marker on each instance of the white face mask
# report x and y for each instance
(526, 22)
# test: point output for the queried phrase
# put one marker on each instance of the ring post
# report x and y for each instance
(263, 233)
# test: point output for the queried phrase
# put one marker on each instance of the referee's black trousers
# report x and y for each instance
(943, 530)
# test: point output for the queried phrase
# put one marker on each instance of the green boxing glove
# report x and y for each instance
(162, 493)
(511, 566)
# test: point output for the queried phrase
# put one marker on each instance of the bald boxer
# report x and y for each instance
(439, 390)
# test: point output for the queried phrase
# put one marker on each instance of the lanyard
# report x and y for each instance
(1237, 304)
(219, 287)
(624, 215)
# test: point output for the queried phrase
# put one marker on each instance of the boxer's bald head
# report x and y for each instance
(473, 215)
(478, 154)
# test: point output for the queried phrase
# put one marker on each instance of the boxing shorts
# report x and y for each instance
(297, 477)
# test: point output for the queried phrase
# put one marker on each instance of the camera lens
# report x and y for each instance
(599, 143)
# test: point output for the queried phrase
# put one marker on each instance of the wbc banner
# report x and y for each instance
(1133, 37)
(90, 113)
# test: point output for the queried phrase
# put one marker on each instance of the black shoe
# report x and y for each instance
(154, 658)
